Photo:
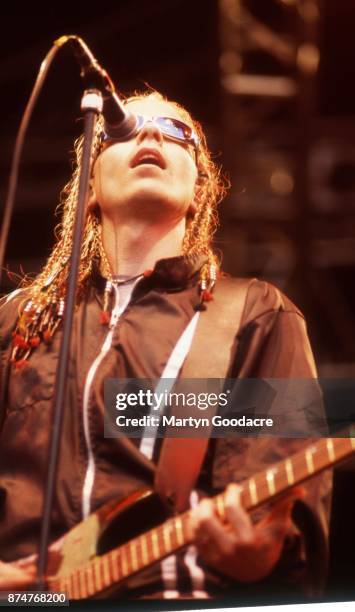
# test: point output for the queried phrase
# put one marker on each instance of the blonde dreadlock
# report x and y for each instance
(40, 314)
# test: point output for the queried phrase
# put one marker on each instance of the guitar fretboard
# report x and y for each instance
(118, 564)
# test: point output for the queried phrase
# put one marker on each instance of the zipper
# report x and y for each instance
(90, 470)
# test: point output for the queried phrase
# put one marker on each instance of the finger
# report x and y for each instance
(199, 515)
(25, 562)
(12, 577)
(236, 516)
(210, 534)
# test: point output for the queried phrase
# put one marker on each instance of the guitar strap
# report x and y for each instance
(210, 355)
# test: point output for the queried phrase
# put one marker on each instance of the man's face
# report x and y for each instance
(148, 176)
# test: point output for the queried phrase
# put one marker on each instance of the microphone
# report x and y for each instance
(120, 123)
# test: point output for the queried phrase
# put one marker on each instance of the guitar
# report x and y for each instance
(75, 565)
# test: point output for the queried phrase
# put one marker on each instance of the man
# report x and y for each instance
(147, 272)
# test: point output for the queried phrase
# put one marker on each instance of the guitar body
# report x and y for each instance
(129, 518)
(113, 524)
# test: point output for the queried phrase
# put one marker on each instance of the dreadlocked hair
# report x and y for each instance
(42, 310)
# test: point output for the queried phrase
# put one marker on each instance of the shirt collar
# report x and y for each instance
(179, 271)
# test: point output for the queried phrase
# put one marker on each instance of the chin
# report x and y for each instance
(159, 202)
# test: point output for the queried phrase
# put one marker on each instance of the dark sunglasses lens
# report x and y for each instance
(169, 126)
(174, 128)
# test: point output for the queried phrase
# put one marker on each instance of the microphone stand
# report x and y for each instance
(91, 105)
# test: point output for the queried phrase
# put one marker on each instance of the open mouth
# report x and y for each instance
(148, 157)
(149, 160)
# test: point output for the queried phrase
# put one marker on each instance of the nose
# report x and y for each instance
(149, 131)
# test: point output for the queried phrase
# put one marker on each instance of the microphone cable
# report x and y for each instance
(119, 121)
(16, 157)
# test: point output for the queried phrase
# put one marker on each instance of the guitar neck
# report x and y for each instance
(294, 470)
(119, 564)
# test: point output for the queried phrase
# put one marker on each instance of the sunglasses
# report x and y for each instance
(171, 128)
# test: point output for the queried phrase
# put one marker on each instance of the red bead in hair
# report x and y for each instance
(19, 340)
(147, 273)
(104, 317)
(206, 295)
(20, 364)
(47, 336)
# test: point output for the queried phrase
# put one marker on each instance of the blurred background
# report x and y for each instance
(273, 83)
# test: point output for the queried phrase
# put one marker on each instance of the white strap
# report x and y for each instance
(167, 380)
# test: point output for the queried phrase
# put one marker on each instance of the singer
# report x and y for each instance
(150, 279)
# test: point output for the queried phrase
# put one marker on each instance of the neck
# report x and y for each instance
(134, 246)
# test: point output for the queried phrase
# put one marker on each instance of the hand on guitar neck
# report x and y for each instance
(222, 544)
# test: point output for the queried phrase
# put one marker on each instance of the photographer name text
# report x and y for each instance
(154, 421)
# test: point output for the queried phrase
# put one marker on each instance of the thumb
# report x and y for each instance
(284, 505)
(278, 520)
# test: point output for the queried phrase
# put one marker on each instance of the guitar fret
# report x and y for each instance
(309, 459)
(139, 551)
(70, 588)
(144, 548)
(289, 471)
(78, 584)
(253, 491)
(133, 554)
(166, 537)
(179, 531)
(270, 479)
(161, 540)
(97, 576)
(341, 445)
(82, 583)
(56, 586)
(65, 586)
(102, 573)
(124, 561)
(115, 572)
(75, 585)
(330, 449)
(155, 543)
(90, 580)
(106, 570)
